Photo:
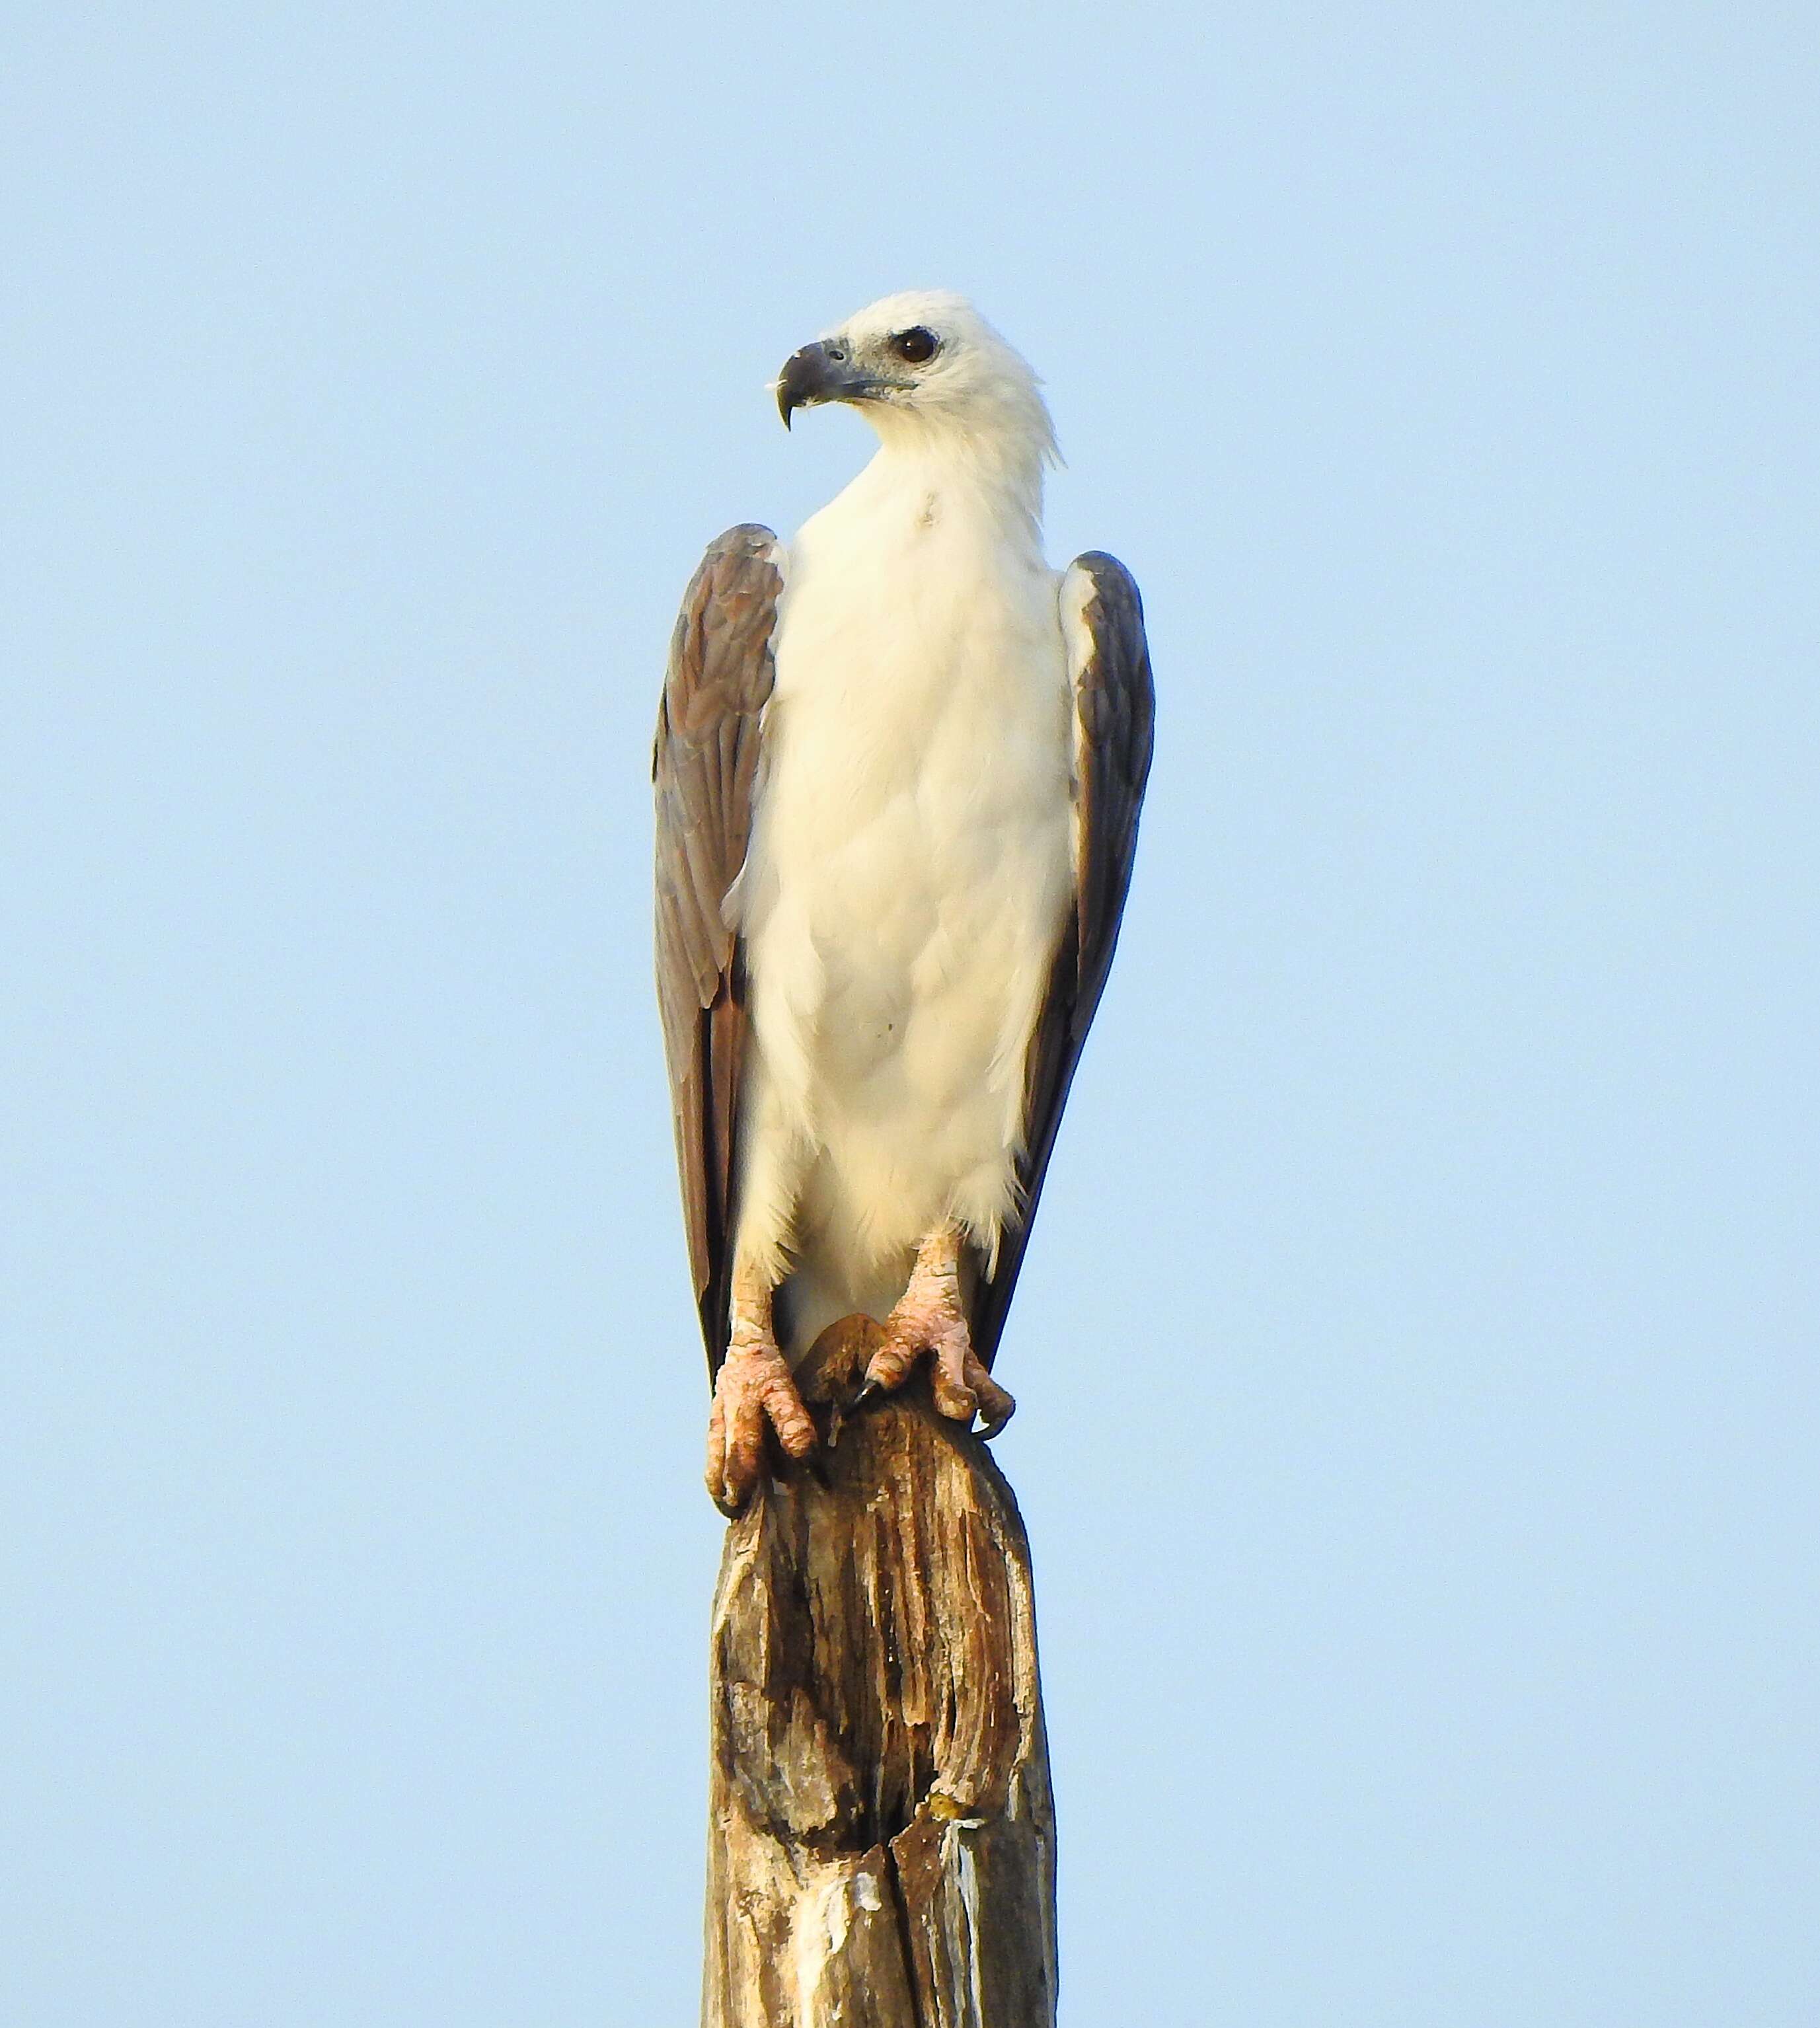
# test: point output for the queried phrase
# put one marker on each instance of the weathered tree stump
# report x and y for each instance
(881, 1833)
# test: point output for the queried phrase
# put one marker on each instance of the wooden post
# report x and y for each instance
(881, 1834)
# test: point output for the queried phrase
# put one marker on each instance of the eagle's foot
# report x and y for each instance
(930, 1318)
(752, 1388)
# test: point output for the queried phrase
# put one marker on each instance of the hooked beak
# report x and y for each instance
(818, 374)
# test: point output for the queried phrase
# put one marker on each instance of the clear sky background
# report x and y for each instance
(1417, 1353)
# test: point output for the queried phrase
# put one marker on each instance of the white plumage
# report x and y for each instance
(898, 767)
(912, 856)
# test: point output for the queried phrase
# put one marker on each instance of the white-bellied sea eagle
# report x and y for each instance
(898, 767)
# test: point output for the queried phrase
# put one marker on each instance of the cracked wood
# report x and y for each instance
(881, 1843)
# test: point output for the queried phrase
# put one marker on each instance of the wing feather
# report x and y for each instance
(704, 770)
(1115, 710)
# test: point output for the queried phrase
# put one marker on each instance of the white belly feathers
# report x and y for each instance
(910, 872)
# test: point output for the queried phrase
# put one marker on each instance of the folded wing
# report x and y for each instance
(1109, 666)
(705, 767)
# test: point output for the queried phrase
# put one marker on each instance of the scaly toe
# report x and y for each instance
(753, 1387)
(949, 1382)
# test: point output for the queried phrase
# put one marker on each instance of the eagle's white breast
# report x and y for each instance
(910, 871)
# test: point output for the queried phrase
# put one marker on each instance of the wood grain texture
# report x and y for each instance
(881, 1840)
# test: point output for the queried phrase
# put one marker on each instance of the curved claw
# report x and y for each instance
(996, 1404)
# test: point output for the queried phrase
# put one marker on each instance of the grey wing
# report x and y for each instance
(704, 769)
(1115, 708)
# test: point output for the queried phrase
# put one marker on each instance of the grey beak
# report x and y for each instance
(818, 374)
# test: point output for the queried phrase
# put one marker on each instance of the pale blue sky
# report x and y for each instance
(1417, 1353)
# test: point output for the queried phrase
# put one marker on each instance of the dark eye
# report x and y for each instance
(915, 345)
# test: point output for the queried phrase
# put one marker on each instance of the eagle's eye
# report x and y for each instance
(915, 345)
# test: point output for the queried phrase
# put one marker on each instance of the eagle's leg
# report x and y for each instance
(931, 1317)
(753, 1387)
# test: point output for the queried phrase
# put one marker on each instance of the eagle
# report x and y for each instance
(898, 767)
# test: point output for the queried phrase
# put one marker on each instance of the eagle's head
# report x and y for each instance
(923, 363)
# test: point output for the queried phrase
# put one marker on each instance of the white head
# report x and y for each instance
(926, 370)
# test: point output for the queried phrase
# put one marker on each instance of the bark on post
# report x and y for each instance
(881, 1836)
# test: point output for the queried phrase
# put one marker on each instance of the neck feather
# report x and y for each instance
(1002, 466)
